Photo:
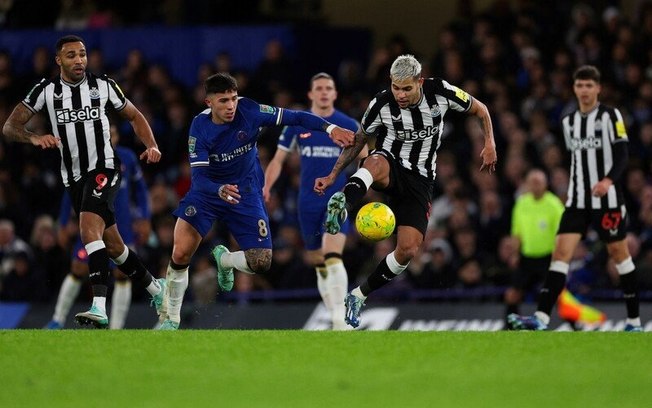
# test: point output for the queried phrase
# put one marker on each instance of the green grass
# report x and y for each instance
(138, 368)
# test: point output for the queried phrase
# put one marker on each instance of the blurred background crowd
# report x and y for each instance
(517, 57)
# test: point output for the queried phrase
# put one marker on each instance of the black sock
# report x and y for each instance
(354, 190)
(134, 268)
(511, 309)
(379, 278)
(177, 267)
(99, 272)
(550, 291)
(630, 293)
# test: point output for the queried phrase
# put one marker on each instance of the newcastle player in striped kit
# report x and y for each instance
(596, 137)
(408, 121)
(75, 103)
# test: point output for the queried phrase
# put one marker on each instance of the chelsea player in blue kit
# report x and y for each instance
(318, 155)
(227, 182)
(131, 205)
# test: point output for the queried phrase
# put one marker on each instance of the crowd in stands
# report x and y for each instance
(518, 59)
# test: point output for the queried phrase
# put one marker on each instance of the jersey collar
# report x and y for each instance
(76, 84)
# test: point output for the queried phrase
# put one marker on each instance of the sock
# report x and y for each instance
(236, 260)
(386, 270)
(100, 302)
(543, 317)
(357, 186)
(98, 268)
(120, 304)
(337, 282)
(552, 287)
(358, 293)
(177, 285)
(67, 295)
(321, 286)
(511, 309)
(131, 265)
(628, 283)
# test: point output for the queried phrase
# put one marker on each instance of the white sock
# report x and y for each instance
(236, 260)
(322, 287)
(364, 175)
(177, 285)
(337, 283)
(67, 295)
(100, 303)
(634, 322)
(154, 288)
(358, 293)
(120, 304)
(543, 317)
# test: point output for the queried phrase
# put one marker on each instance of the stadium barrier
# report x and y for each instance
(378, 315)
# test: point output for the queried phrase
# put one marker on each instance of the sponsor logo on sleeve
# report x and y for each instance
(620, 129)
(267, 109)
(192, 144)
(460, 94)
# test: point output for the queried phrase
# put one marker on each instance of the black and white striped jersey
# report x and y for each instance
(591, 137)
(77, 114)
(413, 135)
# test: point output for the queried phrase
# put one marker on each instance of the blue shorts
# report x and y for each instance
(311, 220)
(247, 221)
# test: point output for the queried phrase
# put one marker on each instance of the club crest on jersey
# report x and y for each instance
(94, 93)
(190, 211)
(435, 111)
(192, 144)
(242, 136)
(267, 109)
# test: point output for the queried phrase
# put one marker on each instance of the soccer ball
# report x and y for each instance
(375, 221)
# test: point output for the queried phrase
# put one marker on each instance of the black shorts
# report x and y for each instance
(610, 223)
(95, 192)
(410, 194)
(531, 272)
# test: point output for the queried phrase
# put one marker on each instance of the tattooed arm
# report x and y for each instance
(15, 131)
(488, 154)
(346, 157)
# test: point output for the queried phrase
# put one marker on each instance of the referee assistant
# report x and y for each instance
(75, 103)
(535, 219)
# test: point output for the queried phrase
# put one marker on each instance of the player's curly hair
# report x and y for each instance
(405, 67)
(220, 83)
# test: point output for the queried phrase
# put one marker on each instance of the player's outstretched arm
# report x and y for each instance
(341, 137)
(14, 129)
(346, 157)
(152, 154)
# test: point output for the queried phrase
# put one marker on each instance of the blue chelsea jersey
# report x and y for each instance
(228, 152)
(318, 155)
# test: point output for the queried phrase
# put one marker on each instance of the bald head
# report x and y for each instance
(536, 183)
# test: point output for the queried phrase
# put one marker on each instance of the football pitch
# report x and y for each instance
(279, 368)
